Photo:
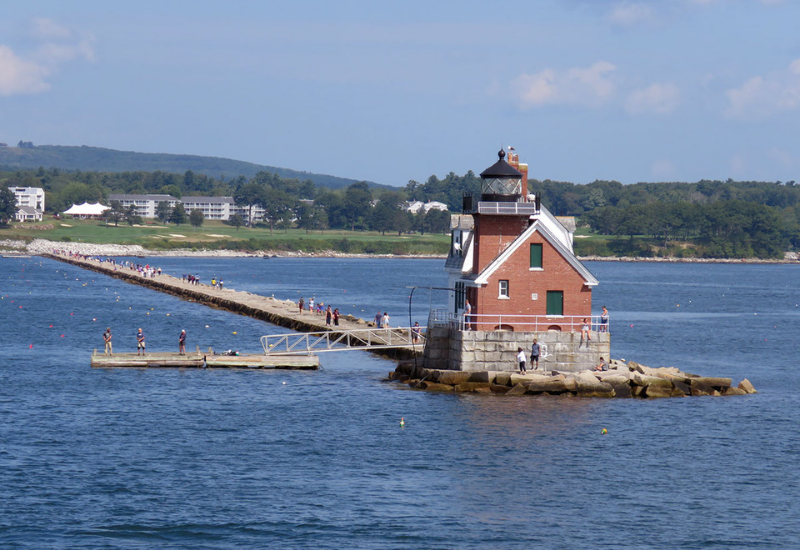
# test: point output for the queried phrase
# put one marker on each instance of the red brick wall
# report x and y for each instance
(493, 235)
(557, 274)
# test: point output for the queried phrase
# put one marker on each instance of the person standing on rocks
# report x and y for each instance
(328, 316)
(107, 341)
(378, 318)
(140, 345)
(535, 351)
(182, 343)
(521, 361)
(336, 317)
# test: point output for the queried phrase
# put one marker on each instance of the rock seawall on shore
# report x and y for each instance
(622, 380)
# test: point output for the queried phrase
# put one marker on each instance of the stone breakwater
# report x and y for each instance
(623, 380)
(283, 313)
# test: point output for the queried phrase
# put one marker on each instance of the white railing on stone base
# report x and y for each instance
(520, 323)
(342, 340)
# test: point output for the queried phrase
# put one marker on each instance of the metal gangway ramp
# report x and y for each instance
(341, 340)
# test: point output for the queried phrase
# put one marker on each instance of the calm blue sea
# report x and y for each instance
(269, 459)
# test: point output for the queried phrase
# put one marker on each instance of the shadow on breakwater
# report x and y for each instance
(259, 307)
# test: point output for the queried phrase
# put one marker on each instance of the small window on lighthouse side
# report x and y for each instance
(536, 256)
(504, 290)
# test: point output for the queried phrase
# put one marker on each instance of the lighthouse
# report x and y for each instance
(515, 277)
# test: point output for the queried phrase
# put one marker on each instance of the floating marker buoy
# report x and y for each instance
(402, 421)
(206, 326)
(631, 326)
(604, 432)
(234, 332)
(30, 347)
(94, 319)
(284, 383)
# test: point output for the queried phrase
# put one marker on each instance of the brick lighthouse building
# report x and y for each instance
(516, 278)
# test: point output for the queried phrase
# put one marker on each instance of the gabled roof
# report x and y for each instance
(483, 276)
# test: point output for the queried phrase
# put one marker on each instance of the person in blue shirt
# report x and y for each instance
(140, 342)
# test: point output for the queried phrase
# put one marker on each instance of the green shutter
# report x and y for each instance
(536, 255)
(555, 302)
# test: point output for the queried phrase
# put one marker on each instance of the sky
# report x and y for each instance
(389, 91)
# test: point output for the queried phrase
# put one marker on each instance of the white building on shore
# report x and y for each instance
(30, 201)
(213, 208)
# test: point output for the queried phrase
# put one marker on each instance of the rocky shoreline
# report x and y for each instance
(44, 246)
(622, 380)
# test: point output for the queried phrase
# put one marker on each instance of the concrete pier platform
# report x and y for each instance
(201, 360)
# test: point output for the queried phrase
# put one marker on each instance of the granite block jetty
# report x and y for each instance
(622, 380)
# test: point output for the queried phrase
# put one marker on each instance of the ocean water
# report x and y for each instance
(273, 459)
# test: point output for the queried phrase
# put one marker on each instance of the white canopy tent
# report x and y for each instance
(86, 209)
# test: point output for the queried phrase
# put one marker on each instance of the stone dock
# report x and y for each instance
(284, 313)
(622, 380)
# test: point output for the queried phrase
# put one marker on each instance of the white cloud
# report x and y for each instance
(47, 29)
(19, 76)
(656, 98)
(629, 14)
(589, 86)
(762, 96)
(27, 74)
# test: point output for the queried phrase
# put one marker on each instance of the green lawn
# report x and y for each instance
(211, 234)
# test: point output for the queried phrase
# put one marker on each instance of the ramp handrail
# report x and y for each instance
(341, 340)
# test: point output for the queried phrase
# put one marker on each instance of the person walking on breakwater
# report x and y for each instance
(311, 305)
(535, 351)
(378, 318)
(385, 320)
(107, 341)
(521, 360)
(416, 331)
(301, 304)
(140, 342)
(182, 343)
(604, 320)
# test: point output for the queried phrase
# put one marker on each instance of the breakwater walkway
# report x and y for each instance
(284, 313)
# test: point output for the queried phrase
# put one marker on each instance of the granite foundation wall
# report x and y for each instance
(451, 349)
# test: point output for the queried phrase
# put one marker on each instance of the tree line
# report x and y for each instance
(286, 202)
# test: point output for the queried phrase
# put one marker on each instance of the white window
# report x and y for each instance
(504, 290)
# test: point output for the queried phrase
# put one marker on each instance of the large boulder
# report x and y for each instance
(471, 386)
(502, 378)
(746, 386)
(588, 385)
(550, 385)
(733, 391)
(453, 377)
(518, 389)
(497, 388)
(434, 386)
(481, 376)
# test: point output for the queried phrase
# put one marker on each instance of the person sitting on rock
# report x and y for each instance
(603, 366)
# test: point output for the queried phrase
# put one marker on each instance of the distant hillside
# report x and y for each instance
(97, 159)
